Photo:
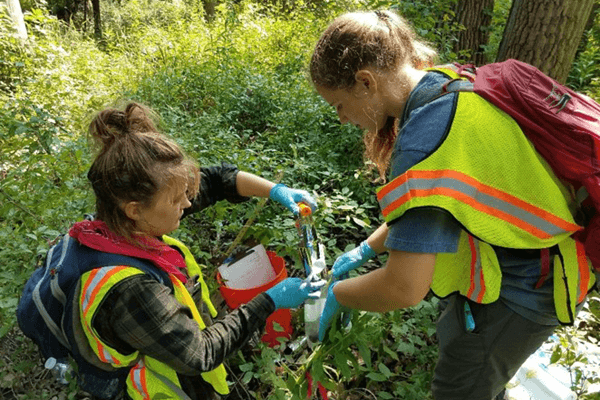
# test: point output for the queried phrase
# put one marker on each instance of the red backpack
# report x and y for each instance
(564, 127)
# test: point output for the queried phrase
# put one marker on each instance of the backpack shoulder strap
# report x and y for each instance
(91, 259)
(454, 84)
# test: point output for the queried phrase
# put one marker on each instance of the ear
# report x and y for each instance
(132, 210)
(366, 83)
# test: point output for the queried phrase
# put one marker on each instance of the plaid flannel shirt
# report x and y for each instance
(142, 314)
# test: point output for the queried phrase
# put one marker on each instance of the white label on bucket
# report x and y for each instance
(253, 270)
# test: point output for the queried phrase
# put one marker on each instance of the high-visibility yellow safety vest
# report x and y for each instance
(148, 377)
(500, 199)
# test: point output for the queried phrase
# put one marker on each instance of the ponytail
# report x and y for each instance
(382, 40)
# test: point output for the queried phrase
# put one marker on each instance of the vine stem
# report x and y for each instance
(19, 206)
(250, 221)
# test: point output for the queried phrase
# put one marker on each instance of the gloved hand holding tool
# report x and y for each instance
(289, 198)
(342, 266)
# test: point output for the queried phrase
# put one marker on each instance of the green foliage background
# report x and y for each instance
(233, 90)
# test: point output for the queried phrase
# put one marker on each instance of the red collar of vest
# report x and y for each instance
(97, 235)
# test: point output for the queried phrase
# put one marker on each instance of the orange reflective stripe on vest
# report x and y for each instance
(518, 204)
(483, 198)
(98, 277)
(92, 286)
(137, 377)
(477, 288)
(584, 273)
(147, 377)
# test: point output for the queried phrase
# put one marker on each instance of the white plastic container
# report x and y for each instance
(252, 270)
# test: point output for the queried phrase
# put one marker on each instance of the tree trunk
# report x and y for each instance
(97, 20)
(545, 34)
(16, 14)
(85, 15)
(476, 17)
(209, 9)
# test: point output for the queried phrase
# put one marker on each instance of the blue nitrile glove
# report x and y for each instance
(292, 292)
(288, 197)
(331, 310)
(352, 259)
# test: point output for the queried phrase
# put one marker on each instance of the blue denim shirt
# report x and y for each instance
(433, 230)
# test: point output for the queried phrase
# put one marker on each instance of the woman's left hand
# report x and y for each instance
(332, 310)
(290, 198)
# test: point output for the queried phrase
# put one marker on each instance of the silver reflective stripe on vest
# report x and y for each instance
(90, 289)
(136, 377)
(37, 300)
(180, 393)
(107, 355)
(471, 191)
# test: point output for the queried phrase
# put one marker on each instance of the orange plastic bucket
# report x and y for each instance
(283, 317)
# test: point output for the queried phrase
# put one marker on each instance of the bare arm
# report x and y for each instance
(252, 185)
(403, 282)
(377, 239)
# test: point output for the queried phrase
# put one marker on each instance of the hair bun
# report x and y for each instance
(108, 125)
(139, 118)
(112, 123)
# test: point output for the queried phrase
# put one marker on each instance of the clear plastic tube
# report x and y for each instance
(312, 314)
(312, 254)
(59, 369)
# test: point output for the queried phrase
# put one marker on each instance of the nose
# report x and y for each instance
(186, 203)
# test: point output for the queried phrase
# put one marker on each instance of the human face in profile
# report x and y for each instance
(165, 210)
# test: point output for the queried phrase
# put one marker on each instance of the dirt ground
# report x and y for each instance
(19, 354)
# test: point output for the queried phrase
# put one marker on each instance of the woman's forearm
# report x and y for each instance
(402, 283)
(377, 239)
(252, 185)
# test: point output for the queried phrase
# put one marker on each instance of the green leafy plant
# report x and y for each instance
(572, 350)
(433, 20)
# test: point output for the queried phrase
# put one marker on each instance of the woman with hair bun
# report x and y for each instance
(138, 329)
(472, 212)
